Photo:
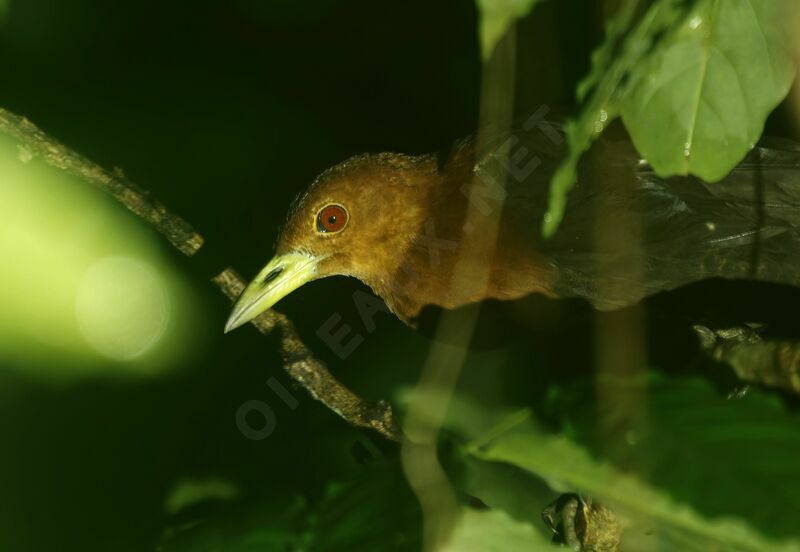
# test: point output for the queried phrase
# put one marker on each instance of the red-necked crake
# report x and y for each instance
(396, 223)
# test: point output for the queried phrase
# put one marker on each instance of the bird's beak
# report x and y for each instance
(283, 275)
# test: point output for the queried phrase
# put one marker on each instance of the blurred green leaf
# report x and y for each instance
(698, 103)
(376, 511)
(495, 531)
(496, 17)
(617, 27)
(271, 526)
(117, 296)
(189, 492)
(505, 487)
(625, 46)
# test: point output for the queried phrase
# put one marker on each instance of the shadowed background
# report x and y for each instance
(224, 111)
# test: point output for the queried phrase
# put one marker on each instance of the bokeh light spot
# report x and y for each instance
(122, 307)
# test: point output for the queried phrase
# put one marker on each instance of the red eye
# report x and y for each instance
(332, 219)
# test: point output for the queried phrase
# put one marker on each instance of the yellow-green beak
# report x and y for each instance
(283, 275)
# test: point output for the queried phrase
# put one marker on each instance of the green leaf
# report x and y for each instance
(189, 492)
(667, 516)
(617, 27)
(699, 102)
(601, 91)
(693, 81)
(495, 531)
(656, 519)
(377, 510)
(724, 457)
(496, 16)
(250, 528)
(504, 487)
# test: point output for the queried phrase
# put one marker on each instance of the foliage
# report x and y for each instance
(694, 472)
(675, 489)
(693, 81)
(496, 16)
(670, 481)
(698, 103)
(375, 511)
(494, 531)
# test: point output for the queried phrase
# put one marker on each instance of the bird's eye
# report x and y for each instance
(332, 219)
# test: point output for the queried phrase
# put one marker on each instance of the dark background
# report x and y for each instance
(226, 110)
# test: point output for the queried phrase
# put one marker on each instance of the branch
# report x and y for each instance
(769, 362)
(34, 142)
(299, 361)
(311, 373)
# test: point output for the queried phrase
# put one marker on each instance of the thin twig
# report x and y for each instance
(35, 143)
(299, 361)
(311, 373)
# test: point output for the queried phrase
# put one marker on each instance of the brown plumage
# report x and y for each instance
(398, 223)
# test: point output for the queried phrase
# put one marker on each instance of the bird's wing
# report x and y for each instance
(628, 234)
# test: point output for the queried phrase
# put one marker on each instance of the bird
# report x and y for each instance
(399, 222)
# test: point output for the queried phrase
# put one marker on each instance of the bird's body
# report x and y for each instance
(400, 224)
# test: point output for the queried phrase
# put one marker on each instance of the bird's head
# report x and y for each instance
(356, 219)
